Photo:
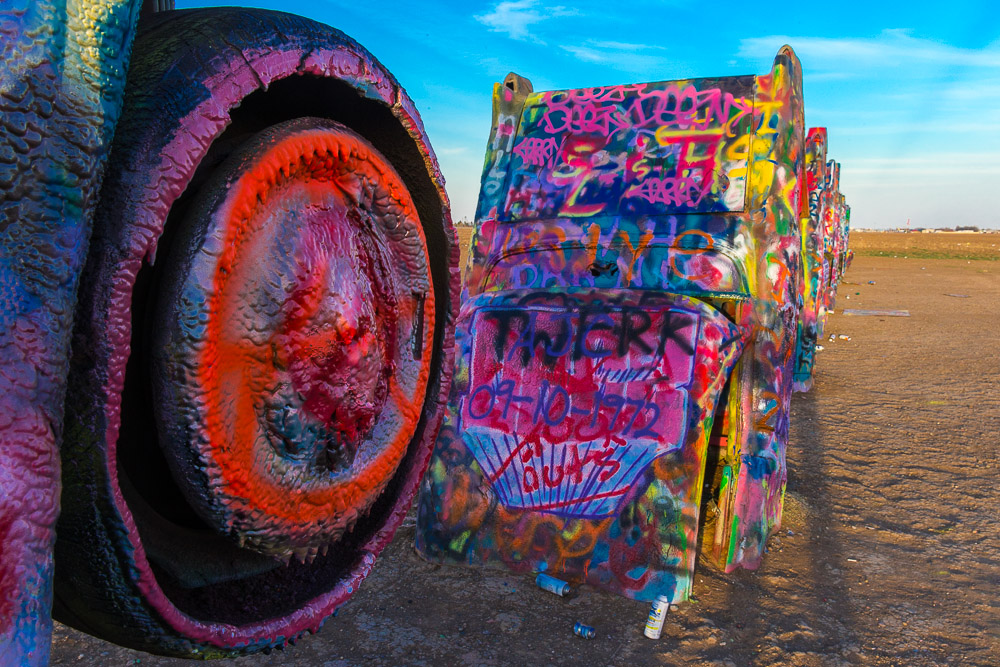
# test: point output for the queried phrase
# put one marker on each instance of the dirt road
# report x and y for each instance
(889, 553)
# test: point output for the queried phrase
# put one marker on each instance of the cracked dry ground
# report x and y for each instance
(889, 553)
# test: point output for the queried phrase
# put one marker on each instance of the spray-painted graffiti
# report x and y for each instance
(825, 252)
(644, 149)
(836, 255)
(604, 385)
(750, 505)
(690, 192)
(501, 146)
(585, 407)
(259, 359)
(58, 112)
(812, 227)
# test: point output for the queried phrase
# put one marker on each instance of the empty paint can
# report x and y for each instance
(657, 614)
(585, 631)
(551, 584)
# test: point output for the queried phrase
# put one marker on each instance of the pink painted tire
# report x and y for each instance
(261, 354)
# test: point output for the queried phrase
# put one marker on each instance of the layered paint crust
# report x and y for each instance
(296, 334)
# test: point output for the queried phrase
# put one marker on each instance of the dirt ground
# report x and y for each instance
(889, 553)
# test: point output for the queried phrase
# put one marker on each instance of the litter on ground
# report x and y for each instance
(887, 313)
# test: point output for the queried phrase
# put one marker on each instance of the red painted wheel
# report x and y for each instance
(262, 347)
(294, 334)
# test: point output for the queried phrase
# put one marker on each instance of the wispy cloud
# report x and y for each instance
(622, 56)
(829, 76)
(987, 129)
(958, 165)
(515, 18)
(960, 91)
(891, 47)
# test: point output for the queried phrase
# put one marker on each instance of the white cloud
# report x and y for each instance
(987, 129)
(890, 48)
(935, 166)
(924, 160)
(515, 18)
(827, 76)
(621, 56)
(625, 46)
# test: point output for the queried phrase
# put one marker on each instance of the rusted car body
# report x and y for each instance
(627, 333)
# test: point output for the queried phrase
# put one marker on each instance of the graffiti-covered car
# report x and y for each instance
(814, 281)
(825, 228)
(836, 256)
(627, 333)
(254, 344)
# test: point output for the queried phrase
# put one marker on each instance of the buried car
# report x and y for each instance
(825, 226)
(254, 342)
(812, 205)
(627, 333)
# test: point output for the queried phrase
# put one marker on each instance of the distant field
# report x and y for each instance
(929, 246)
(883, 244)
(464, 239)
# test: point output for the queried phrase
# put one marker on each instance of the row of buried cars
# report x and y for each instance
(826, 253)
(651, 270)
(266, 352)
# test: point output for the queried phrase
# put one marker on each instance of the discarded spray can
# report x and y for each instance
(585, 631)
(657, 614)
(551, 584)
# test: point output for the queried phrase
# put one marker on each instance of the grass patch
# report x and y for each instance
(919, 253)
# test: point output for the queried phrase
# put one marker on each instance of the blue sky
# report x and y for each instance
(909, 92)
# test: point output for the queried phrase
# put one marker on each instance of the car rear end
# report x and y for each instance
(625, 236)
